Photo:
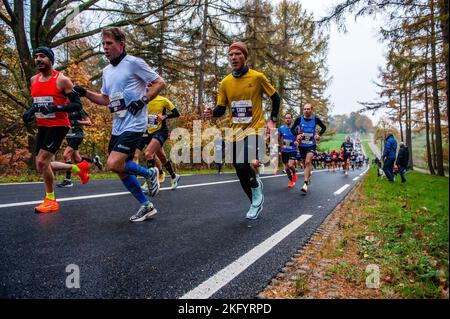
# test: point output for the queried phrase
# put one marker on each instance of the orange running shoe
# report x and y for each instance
(47, 206)
(83, 173)
(294, 178)
(291, 184)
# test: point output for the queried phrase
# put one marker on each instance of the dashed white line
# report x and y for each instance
(356, 178)
(224, 276)
(340, 190)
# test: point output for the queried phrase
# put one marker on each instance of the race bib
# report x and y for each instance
(307, 138)
(152, 121)
(287, 143)
(241, 112)
(117, 105)
(43, 101)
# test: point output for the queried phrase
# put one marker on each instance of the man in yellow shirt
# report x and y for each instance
(241, 92)
(159, 110)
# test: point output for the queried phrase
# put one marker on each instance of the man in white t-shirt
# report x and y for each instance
(128, 85)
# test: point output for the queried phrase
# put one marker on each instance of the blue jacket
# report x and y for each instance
(390, 147)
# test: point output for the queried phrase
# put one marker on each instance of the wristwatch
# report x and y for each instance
(145, 99)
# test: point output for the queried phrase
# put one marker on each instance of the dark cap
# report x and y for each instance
(47, 52)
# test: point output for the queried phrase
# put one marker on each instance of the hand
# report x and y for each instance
(47, 109)
(81, 91)
(135, 106)
(299, 137)
(317, 137)
(28, 115)
(207, 112)
(161, 118)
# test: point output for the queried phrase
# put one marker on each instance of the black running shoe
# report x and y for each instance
(65, 183)
(97, 162)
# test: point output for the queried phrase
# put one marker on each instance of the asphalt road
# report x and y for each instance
(198, 245)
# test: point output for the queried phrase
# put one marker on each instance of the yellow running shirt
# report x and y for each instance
(243, 98)
(158, 106)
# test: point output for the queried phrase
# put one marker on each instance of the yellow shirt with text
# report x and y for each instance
(158, 106)
(243, 98)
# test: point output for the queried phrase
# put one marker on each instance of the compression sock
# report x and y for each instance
(131, 183)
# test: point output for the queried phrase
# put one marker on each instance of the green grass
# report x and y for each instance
(331, 143)
(410, 224)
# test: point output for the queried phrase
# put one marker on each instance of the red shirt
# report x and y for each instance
(46, 93)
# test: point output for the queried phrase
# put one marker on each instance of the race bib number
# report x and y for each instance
(43, 101)
(117, 104)
(307, 138)
(287, 143)
(152, 121)
(241, 112)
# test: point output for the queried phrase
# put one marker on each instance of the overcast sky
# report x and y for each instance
(353, 59)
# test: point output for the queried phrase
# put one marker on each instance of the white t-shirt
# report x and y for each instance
(125, 83)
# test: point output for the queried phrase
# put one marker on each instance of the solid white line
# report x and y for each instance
(224, 276)
(356, 178)
(340, 190)
(67, 199)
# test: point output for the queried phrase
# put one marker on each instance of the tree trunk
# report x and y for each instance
(203, 47)
(400, 118)
(443, 13)
(434, 84)
(427, 126)
(161, 43)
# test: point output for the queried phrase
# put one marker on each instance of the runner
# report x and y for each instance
(288, 149)
(335, 159)
(353, 157)
(156, 135)
(53, 98)
(74, 138)
(329, 161)
(219, 154)
(304, 128)
(247, 117)
(128, 85)
(346, 151)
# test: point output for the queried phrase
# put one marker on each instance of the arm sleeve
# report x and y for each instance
(73, 106)
(174, 114)
(219, 111)
(276, 101)
(294, 127)
(322, 126)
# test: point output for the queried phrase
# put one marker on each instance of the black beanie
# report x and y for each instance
(47, 51)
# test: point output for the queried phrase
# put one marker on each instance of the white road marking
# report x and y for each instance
(356, 178)
(66, 199)
(340, 190)
(224, 276)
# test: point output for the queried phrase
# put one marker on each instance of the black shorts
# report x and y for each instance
(74, 142)
(286, 156)
(346, 156)
(249, 149)
(50, 138)
(160, 136)
(306, 150)
(125, 143)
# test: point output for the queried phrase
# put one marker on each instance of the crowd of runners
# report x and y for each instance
(132, 92)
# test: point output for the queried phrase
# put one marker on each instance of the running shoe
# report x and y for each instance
(175, 181)
(144, 212)
(257, 202)
(83, 173)
(291, 184)
(304, 188)
(153, 181)
(66, 183)
(97, 162)
(346, 173)
(295, 178)
(47, 206)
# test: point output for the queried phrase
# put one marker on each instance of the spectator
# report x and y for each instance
(390, 149)
(402, 161)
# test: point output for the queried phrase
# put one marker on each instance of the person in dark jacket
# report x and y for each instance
(402, 161)
(390, 149)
